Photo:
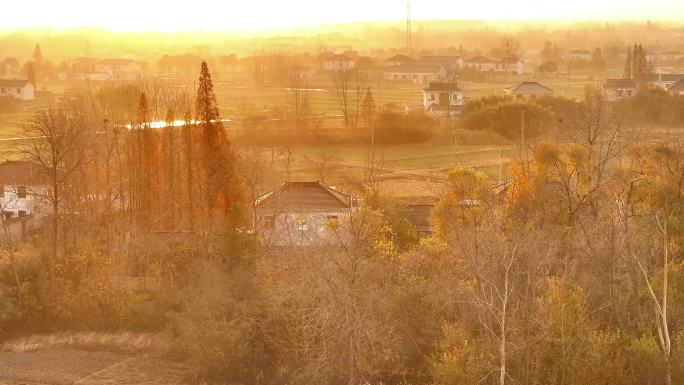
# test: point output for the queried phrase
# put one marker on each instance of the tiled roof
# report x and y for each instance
(401, 58)
(479, 59)
(664, 77)
(22, 172)
(13, 82)
(304, 196)
(528, 88)
(621, 83)
(678, 86)
(439, 59)
(442, 87)
(415, 68)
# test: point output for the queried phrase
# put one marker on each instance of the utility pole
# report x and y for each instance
(522, 128)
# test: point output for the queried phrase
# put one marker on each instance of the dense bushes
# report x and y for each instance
(87, 292)
(398, 128)
(505, 116)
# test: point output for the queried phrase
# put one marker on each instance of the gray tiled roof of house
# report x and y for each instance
(442, 87)
(13, 82)
(528, 88)
(304, 196)
(22, 172)
(678, 86)
(622, 83)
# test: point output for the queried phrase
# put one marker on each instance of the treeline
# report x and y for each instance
(515, 119)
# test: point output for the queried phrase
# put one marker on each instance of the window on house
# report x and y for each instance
(22, 213)
(432, 96)
(332, 222)
(619, 93)
(269, 222)
(629, 93)
(302, 224)
(21, 191)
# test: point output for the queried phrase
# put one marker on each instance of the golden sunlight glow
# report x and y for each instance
(175, 15)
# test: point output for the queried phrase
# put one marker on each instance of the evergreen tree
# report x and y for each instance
(368, 108)
(640, 66)
(628, 64)
(37, 55)
(218, 174)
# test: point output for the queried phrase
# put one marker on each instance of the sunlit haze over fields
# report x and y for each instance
(342, 192)
(175, 15)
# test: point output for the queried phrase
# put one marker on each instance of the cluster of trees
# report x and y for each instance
(637, 66)
(573, 274)
(115, 181)
(519, 118)
(508, 117)
(553, 56)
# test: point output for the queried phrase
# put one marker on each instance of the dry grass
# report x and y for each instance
(116, 342)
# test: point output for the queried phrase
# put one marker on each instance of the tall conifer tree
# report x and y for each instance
(217, 157)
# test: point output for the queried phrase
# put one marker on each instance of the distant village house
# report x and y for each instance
(23, 192)
(94, 69)
(443, 99)
(20, 89)
(515, 65)
(617, 89)
(580, 54)
(415, 73)
(335, 63)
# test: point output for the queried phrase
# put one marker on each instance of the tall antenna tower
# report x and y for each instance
(409, 41)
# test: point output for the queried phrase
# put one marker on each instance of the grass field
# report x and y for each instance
(407, 170)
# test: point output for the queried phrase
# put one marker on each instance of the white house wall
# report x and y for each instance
(455, 99)
(32, 204)
(26, 92)
(288, 229)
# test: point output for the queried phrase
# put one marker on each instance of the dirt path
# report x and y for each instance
(138, 370)
(60, 366)
(54, 366)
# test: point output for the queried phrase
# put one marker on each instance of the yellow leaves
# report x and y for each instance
(433, 245)
(563, 309)
(521, 184)
(467, 183)
(384, 247)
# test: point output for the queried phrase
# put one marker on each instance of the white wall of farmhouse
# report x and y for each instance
(304, 229)
(17, 200)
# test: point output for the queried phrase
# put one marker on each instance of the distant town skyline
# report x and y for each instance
(177, 15)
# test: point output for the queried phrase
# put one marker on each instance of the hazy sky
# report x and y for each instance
(170, 15)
